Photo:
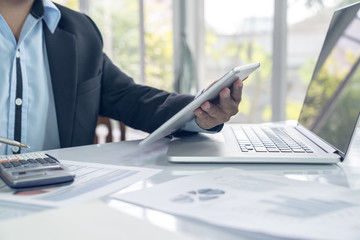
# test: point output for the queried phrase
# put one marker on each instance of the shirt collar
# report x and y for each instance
(49, 12)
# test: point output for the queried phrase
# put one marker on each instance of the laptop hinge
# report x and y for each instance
(316, 140)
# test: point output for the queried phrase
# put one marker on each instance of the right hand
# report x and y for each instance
(211, 114)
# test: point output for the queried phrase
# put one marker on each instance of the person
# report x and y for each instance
(56, 80)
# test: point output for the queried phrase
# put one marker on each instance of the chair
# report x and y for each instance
(108, 130)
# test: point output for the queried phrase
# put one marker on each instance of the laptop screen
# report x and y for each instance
(332, 102)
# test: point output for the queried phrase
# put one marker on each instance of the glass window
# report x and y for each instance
(158, 29)
(119, 24)
(308, 22)
(237, 33)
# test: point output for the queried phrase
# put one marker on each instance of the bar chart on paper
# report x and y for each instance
(307, 208)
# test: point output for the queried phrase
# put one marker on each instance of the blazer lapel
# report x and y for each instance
(62, 55)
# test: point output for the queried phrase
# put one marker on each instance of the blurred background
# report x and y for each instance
(183, 45)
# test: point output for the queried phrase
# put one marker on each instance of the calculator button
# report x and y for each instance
(49, 160)
(40, 160)
(23, 162)
(32, 160)
(6, 165)
(15, 163)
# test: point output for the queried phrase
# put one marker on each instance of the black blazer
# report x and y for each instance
(87, 84)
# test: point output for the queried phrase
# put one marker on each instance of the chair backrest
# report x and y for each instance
(108, 130)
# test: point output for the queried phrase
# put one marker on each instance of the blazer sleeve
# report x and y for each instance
(138, 106)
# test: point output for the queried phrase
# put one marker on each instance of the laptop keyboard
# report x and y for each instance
(266, 139)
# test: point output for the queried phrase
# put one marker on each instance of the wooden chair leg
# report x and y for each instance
(123, 131)
(106, 122)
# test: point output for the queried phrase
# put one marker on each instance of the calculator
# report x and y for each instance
(33, 170)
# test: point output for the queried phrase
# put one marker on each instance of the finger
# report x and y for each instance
(236, 90)
(204, 120)
(227, 104)
(209, 108)
(225, 99)
(216, 112)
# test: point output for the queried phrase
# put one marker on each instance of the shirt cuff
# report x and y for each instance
(192, 126)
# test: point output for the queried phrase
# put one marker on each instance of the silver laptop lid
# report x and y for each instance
(332, 102)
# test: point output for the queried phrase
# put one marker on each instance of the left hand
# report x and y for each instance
(211, 114)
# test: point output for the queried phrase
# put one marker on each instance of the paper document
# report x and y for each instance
(262, 203)
(92, 181)
(91, 221)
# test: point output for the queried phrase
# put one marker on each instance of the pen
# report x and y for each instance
(13, 142)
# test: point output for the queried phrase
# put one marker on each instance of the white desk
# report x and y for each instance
(129, 154)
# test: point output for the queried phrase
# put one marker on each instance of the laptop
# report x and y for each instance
(327, 122)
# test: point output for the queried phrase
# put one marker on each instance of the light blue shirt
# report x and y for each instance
(39, 127)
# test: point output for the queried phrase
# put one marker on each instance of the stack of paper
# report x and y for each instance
(268, 204)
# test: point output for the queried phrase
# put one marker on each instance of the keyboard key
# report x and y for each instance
(273, 150)
(286, 150)
(260, 149)
(249, 148)
(298, 150)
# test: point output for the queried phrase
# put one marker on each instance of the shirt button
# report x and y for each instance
(15, 149)
(18, 101)
(18, 53)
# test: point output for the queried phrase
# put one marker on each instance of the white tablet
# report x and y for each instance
(187, 113)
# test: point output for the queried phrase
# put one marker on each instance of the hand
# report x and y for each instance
(211, 114)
